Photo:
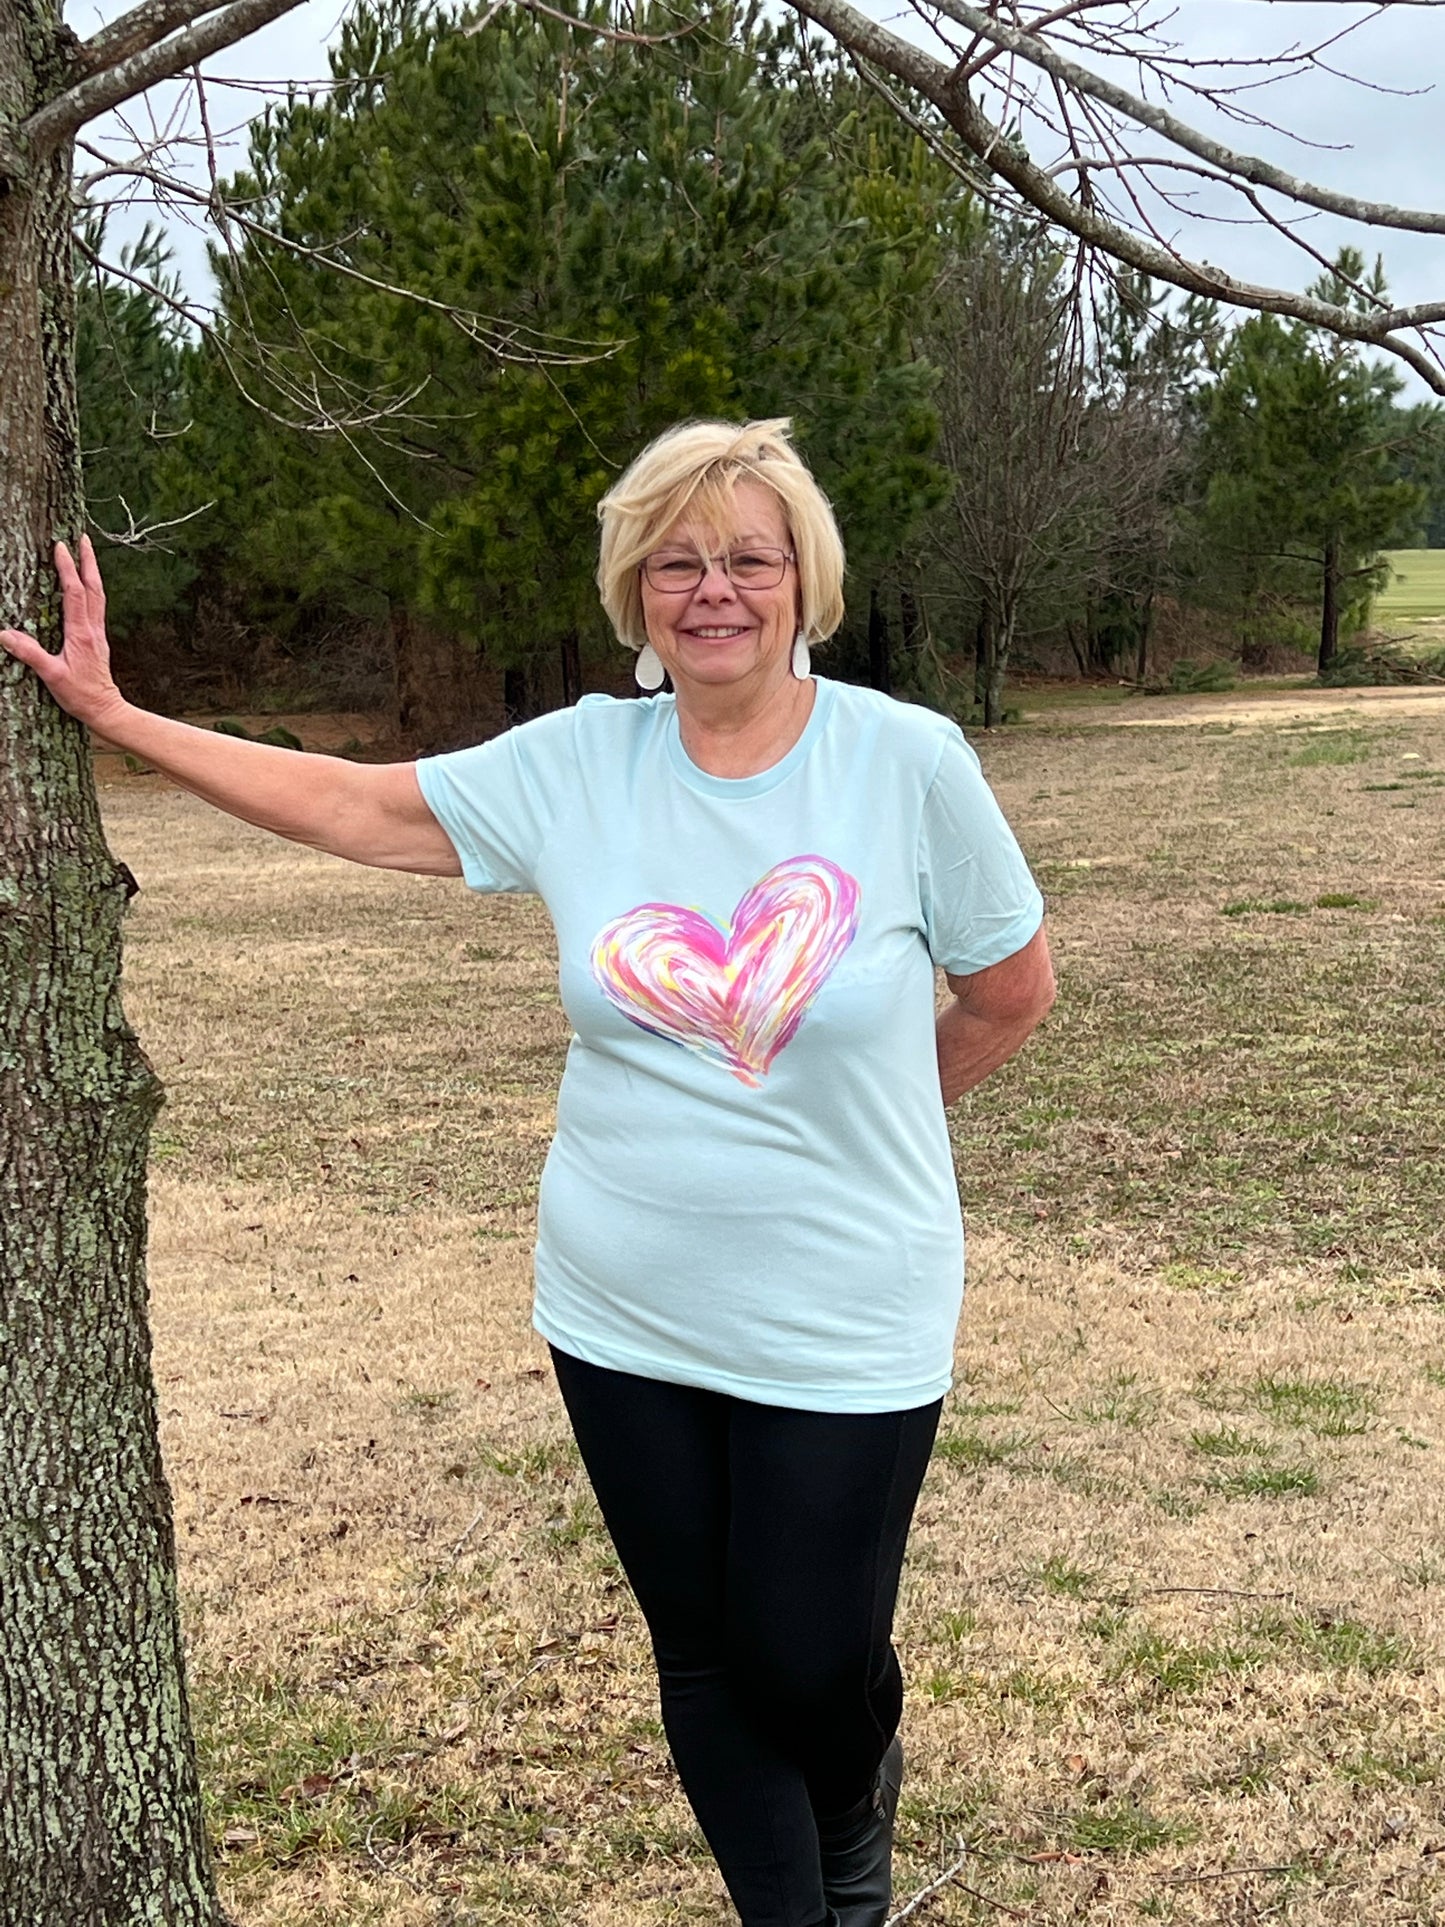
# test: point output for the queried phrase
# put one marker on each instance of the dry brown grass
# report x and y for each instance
(1172, 1614)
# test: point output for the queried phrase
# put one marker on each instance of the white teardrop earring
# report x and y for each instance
(802, 660)
(648, 668)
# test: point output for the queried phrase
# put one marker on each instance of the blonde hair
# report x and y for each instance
(697, 466)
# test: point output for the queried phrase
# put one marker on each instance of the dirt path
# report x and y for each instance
(1254, 706)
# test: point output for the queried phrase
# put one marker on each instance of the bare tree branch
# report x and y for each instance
(142, 27)
(1243, 167)
(507, 340)
(61, 117)
(1006, 155)
(139, 535)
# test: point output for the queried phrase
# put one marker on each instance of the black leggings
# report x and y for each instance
(764, 1546)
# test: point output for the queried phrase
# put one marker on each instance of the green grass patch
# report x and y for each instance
(292, 1775)
(1332, 750)
(959, 1624)
(1041, 1690)
(1121, 1827)
(976, 1408)
(419, 1403)
(943, 1686)
(1330, 1408)
(1265, 907)
(1118, 1401)
(1180, 1277)
(1172, 1668)
(1226, 1442)
(1371, 1771)
(1061, 1578)
(1268, 1482)
(1334, 1643)
(546, 1460)
(1416, 586)
(971, 1451)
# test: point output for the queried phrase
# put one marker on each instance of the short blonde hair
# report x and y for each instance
(697, 466)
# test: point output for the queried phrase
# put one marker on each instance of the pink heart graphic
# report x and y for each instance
(735, 994)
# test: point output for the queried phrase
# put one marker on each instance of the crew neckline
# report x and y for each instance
(762, 780)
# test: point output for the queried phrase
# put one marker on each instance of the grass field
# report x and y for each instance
(1416, 590)
(1173, 1614)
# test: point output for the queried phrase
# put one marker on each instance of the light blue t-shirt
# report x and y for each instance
(750, 1187)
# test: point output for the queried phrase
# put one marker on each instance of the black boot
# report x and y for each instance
(857, 1850)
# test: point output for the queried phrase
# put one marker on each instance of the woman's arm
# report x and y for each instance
(368, 813)
(992, 1013)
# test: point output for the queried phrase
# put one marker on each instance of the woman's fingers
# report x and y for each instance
(78, 673)
(90, 570)
(24, 648)
(74, 595)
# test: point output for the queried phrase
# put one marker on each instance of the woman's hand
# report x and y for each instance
(79, 676)
(367, 812)
(992, 1012)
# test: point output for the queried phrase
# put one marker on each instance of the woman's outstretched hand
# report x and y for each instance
(78, 677)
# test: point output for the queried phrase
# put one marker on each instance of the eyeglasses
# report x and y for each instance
(677, 570)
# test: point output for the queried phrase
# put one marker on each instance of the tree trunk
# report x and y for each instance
(997, 640)
(879, 669)
(1330, 604)
(439, 698)
(100, 1810)
(1146, 629)
(981, 651)
(569, 656)
(911, 616)
(516, 697)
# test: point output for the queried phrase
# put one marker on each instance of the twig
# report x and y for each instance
(926, 1893)
(1219, 1873)
(456, 1551)
(516, 1686)
(1216, 1592)
(1014, 1913)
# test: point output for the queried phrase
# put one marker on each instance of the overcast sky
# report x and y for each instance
(1385, 140)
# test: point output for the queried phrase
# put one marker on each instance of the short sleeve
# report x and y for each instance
(980, 904)
(497, 800)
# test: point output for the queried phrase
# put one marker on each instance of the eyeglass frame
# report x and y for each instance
(790, 560)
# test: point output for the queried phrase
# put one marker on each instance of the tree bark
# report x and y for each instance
(981, 649)
(1330, 604)
(879, 671)
(516, 697)
(569, 656)
(100, 1811)
(998, 640)
(911, 616)
(440, 701)
(1146, 630)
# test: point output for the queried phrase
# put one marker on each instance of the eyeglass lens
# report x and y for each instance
(746, 568)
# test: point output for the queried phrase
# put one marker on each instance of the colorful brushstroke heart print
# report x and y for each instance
(734, 993)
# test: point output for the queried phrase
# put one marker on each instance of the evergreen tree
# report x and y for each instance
(1301, 486)
(657, 234)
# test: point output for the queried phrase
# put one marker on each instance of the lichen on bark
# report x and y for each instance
(100, 1812)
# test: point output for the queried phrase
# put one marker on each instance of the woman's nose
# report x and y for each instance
(716, 582)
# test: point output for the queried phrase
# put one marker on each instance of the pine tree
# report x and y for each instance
(1301, 487)
(656, 220)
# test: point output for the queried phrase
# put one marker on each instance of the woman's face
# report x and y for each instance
(721, 632)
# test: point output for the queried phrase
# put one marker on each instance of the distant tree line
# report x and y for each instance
(461, 288)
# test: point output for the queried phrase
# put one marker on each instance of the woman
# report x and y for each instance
(749, 1259)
